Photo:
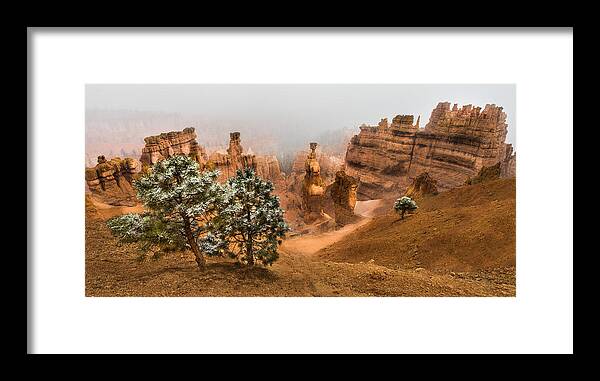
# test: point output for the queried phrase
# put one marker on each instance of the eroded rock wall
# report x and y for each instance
(343, 192)
(454, 145)
(172, 143)
(110, 181)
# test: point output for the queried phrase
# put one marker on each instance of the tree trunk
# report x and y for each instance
(249, 249)
(402, 214)
(199, 257)
(250, 254)
(193, 245)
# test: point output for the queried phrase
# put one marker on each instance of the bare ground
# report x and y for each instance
(302, 270)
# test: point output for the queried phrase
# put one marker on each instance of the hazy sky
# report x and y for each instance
(300, 111)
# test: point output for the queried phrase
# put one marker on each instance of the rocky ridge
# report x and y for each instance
(454, 145)
(165, 145)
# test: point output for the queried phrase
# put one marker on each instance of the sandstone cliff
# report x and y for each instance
(110, 181)
(454, 145)
(172, 143)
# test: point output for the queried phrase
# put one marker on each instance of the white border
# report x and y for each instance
(539, 319)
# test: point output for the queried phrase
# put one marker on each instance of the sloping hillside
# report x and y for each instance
(466, 229)
(114, 270)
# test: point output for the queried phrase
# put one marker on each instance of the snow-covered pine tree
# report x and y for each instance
(181, 204)
(252, 221)
(404, 204)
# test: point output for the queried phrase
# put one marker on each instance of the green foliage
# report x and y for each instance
(148, 230)
(178, 199)
(189, 209)
(404, 204)
(251, 225)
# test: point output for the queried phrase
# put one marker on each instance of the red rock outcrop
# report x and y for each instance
(234, 158)
(454, 145)
(422, 185)
(329, 165)
(172, 143)
(486, 174)
(313, 187)
(343, 194)
(267, 167)
(313, 190)
(110, 181)
(291, 193)
(508, 167)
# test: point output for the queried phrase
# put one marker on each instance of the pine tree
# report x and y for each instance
(404, 204)
(181, 204)
(252, 221)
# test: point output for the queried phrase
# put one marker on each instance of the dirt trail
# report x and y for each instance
(311, 243)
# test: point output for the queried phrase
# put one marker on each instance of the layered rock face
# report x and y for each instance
(172, 143)
(184, 142)
(110, 181)
(422, 185)
(343, 193)
(234, 158)
(454, 145)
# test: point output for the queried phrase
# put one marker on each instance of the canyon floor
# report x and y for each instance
(458, 243)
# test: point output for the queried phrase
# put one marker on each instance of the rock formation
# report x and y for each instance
(454, 145)
(313, 190)
(267, 167)
(329, 165)
(343, 194)
(184, 142)
(422, 185)
(228, 162)
(110, 181)
(508, 167)
(485, 174)
(167, 144)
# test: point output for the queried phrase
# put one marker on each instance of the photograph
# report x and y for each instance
(245, 190)
(300, 190)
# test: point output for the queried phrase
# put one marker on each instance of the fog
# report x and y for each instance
(276, 118)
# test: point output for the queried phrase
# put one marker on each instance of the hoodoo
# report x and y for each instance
(228, 162)
(313, 190)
